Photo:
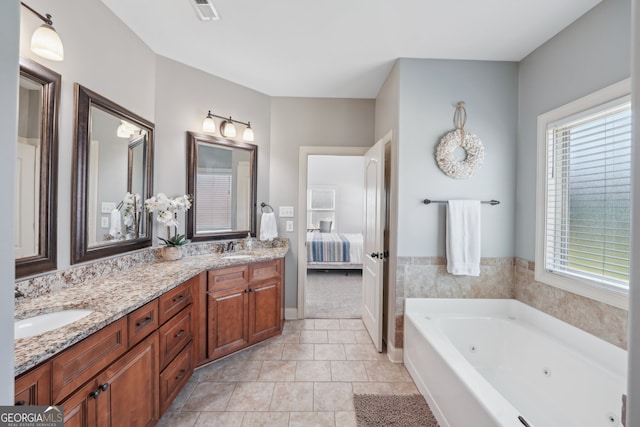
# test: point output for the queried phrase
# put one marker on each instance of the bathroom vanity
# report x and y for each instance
(126, 361)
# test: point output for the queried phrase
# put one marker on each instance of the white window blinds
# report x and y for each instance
(588, 199)
(214, 204)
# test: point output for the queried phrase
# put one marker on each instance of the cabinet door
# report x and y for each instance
(264, 309)
(81, 407)
(130, 390)
(227, 321)
(34, 388)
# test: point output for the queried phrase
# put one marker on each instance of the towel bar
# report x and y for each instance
(484, 202)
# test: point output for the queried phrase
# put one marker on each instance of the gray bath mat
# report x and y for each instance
(390, 410)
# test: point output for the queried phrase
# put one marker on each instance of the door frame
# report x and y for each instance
(303, 160)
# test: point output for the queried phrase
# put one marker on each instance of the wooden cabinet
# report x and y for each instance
(76, 365)
(227, 321)
(127, 373)
(178, 328)
(126, 393)
(265, 318)
(34, 387)
(244, 306)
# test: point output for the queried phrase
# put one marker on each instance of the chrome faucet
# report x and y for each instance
(231, 246)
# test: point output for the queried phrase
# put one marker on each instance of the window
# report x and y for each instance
(321, 206)
(584, 189)
(214, 206)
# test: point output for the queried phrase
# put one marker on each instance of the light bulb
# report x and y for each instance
(46, 43)
(208, 125)
(248, 133)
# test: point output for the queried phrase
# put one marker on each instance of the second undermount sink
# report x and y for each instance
(42, 323)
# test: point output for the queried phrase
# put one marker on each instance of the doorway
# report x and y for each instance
(334, 236)
(329, 286)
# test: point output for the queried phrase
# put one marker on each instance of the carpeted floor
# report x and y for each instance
(333, 294)
(393, 410)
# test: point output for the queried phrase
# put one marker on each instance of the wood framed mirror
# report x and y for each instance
(222, 178)
(35, 210)
(113, 157)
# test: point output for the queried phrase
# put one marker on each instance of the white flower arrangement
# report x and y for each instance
(166, 210)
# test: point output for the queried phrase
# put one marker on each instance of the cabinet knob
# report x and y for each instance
(179, 334)
(104, 387)
(95, 394)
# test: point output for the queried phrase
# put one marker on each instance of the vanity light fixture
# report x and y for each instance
(227, 127)
(45, 42)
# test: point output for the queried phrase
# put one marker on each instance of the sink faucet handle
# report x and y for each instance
(18, 294)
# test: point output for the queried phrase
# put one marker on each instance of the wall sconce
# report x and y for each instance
(45, 42)
(227, 127)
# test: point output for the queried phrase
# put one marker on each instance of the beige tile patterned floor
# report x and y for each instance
(306, 377)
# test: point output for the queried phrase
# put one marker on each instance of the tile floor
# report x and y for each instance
(306, 377)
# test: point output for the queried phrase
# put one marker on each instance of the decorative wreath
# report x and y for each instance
(445, 153)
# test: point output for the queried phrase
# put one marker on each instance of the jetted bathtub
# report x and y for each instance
(487, 363)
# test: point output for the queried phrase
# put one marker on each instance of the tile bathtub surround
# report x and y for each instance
(427, 277)
(602, 320)
(315, 388)
(75, 275)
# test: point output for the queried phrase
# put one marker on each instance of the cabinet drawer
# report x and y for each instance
(174, 335)
(79, 363)
(175, 300)
(175, 376)
(34, 387)
(142, 322)
(264, 270)
(228, 277)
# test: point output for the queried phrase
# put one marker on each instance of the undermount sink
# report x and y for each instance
(237, 256)
(42, 323)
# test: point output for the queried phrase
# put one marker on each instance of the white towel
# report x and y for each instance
(116, 223)
(268, 227)
(463, 237)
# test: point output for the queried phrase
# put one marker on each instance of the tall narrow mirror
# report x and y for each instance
(112, 178)
(221, 177)
(36, 169)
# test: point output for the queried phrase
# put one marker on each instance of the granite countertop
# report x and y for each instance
(112, 297)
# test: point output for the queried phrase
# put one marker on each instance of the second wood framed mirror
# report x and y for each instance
(112, 177)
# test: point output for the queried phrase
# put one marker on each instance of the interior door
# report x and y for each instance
(27, 201)
(373, 260)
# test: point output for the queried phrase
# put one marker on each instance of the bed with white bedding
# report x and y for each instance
(334, 250)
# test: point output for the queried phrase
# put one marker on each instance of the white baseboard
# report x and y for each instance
(291, 313)
(394, 354)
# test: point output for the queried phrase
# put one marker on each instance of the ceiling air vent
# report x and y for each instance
(205, 10)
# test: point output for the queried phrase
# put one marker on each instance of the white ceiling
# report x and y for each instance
(340, 48)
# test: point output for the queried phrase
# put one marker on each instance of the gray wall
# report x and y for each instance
(429, 90)
(9, 41)
(102, 54)
(297, 122)
(346, 175)
(183, 97)
(590, 54)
